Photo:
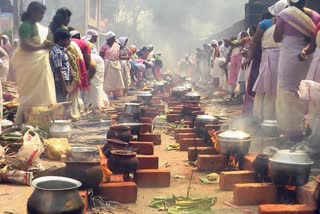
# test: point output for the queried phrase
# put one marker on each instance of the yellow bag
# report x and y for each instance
(41, 116)
(56, 147)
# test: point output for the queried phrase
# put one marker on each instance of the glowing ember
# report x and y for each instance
(291, 188)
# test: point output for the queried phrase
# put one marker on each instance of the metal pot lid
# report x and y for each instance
(83, 149)
(234, 134)
(297, 157)
(61, 121)
(130, 124)
(207, 118)
(159, 83)
(192, 94)
(269, 123)
(132, 104)
(179, 88)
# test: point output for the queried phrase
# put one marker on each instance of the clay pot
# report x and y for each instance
(114, 144)
(261, 168)
(88, 173)
(122, 133)
(122, 162)
(124, 117)
(55, 195)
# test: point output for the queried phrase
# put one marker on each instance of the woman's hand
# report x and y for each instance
(47, 44)
(246, 64)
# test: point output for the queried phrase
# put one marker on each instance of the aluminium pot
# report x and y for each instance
(123, 162)
(132, 108)
(124, 117)
(233, 141)
(88, 153)
(122, 133)
(60, 129)
(145, 97)
(55, 195)
(270, 128)
(192, 97)
(290, 168)
(178, 92)
(159, 86)
(202, 120)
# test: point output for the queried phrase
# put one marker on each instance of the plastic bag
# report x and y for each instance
(31, 149)
(309, 90)
(16, 176)
(56, 147)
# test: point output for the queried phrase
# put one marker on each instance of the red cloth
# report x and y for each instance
(84, 77)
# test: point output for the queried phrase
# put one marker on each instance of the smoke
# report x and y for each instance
(177, 27)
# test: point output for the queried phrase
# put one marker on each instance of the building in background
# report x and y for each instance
(85, 13)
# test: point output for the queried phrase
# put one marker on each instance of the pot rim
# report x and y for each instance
(298, 157)
(119, 142)
(55, 178)
(83, 149)
(123, 152)
(60, 121)
(122, 128)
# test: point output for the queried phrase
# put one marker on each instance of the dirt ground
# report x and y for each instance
(13, 199)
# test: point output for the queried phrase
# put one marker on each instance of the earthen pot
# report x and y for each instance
(122, 162)
(114, 144)
(122, 133)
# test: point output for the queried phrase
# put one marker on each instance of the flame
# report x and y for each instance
(233, 160)
(291, 188)
(214, 139)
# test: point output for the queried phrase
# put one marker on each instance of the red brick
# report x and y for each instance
(254, 194)
(169, 98)
(84, 196)
(122, 192)
(181, 136)
(116, 178)
(285, 209)
(146, 128)
(211, 163)
(173, 103)
(184, 130)
(305, 195)
(142, 148)
(228, 179)
(161, 108)
(152, 178)
(191, 142)
(248, 162)
(193, 152)
(145, 120)
(156, 100)
(151, 115)
(155, 138)
(148, 161)
(171, 118)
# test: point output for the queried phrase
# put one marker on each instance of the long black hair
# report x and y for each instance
(64, 11)
(57, 22)
(33, 7)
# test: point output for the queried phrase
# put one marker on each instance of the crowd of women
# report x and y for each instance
(57, 64)
(269, 63)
